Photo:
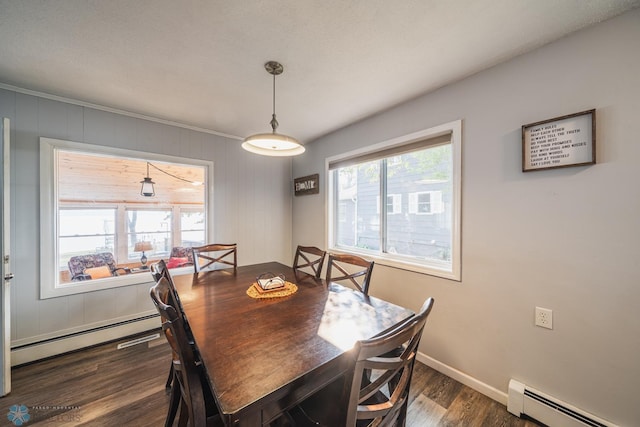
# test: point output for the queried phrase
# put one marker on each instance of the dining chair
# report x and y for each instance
(214, 253)
(160, 270)
(381, 400)
(343, 264)
(190, 391)
(309, 257)
(164, 293)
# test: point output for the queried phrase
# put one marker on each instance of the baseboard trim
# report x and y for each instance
(43, 350)
(38, 351)
(469, 381)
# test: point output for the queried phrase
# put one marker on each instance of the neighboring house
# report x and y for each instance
(418, 202)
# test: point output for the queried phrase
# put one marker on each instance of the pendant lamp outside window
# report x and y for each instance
(147, 189)
(273, 144)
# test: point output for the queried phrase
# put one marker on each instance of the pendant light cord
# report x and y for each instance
(274, 121)
(167, 173)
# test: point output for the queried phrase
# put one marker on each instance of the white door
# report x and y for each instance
(5, 314)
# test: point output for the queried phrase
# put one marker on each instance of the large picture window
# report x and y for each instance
(97, 228)
(399, 202)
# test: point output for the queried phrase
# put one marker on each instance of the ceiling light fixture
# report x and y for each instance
(273, 144)
(147, 189)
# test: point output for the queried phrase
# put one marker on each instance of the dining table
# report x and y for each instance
(262, 355)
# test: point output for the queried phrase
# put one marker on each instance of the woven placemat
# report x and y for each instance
(289, 289)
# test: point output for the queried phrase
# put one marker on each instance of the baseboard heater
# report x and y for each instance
(525, 400)
(31, 352)
(138, 341)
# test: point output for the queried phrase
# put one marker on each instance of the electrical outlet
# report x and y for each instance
(544, 317)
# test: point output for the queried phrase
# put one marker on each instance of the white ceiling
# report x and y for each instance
(200, 63)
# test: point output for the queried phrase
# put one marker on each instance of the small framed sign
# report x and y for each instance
(561, 142)
(306, 185)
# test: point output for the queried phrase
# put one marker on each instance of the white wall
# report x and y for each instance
(251, 207)
(565, 239)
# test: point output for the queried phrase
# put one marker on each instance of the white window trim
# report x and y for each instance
(397, 204)
(436, 269)
(48, 224)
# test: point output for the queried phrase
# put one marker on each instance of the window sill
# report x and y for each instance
(436, 269)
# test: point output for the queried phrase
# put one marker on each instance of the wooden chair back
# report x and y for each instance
(387, 361)
(208, 255)
(196, 396)
(338, 270)
(158, 270)
(375, 391)
(309, 257)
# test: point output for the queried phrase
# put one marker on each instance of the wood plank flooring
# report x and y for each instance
(103, 386)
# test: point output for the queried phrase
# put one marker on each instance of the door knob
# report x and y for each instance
(8, 276)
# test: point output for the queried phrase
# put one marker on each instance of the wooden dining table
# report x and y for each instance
(263, 356)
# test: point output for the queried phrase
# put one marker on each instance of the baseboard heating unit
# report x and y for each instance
(138, 341)
(525, 400)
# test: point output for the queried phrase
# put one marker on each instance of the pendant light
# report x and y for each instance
(273, 144)
(147, 189)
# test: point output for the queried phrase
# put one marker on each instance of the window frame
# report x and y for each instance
(445, 270)
(49, 205)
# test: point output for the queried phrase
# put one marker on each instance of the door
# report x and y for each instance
(5, 314)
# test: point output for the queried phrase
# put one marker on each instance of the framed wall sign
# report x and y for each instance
(561, 142)
(306, 185)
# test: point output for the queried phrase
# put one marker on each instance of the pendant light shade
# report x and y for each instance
(273, 144)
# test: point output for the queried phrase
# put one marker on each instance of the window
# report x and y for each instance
(394, 204)
(426, 202)
(417, 226)
(92, 212)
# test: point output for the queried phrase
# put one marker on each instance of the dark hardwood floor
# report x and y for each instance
(103, 386)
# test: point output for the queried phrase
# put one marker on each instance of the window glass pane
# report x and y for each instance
(192, 226)
(85, 222)
(394, 204)
(424, 230)
(152, 226)
(424, 203)
(85, 231)
(192, 238)
(358, 193)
